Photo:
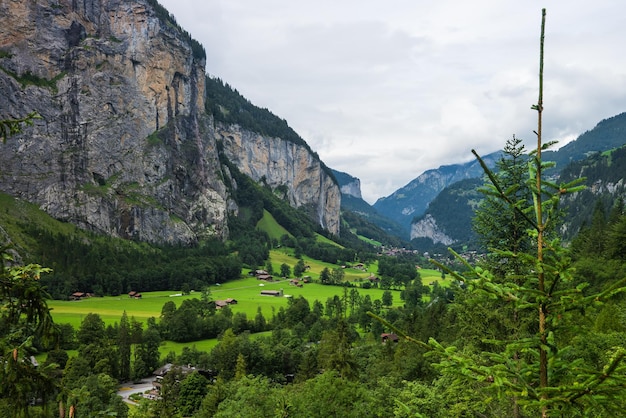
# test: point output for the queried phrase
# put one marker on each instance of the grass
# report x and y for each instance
(246, 291)
(269, 225)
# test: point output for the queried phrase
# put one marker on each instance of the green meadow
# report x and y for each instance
(247, 291)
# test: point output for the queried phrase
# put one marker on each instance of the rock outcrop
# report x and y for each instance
(348, 184)
(286, 165)
(427, 228)
(123, 146)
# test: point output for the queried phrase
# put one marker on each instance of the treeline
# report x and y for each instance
(106, 266)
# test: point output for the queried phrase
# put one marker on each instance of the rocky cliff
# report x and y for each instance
(349, 185)
(284, 165)
(123, 146)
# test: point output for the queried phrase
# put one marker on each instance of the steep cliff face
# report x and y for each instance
(427, 228)
(287, 166)
(120, 147)
(349, 185)
(123, 146)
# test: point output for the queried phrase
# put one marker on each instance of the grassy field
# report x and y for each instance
(246, 291)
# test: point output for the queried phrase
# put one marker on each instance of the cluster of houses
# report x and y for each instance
(134, 295)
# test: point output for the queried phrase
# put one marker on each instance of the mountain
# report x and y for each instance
(361, 218)
(448, 219)
(605, 178)
(125, 145)
(412, 200)
(594, 155)
(349, 185)
(607, 134)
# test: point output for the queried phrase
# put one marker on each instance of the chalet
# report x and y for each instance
(373, 279)
(295, 282)
(272, 292)
(267, 277)
(78, 295)
(389, 337)
(134, 295)
(219, 304)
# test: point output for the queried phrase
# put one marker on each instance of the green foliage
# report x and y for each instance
(10, 127)
(525, 358)
(30, 79)
(25, 324)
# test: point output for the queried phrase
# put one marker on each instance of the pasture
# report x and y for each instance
(246, 291)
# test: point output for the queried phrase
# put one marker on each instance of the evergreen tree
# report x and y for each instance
(539, 374)
(123, 347)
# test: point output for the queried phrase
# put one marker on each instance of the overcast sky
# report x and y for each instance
(387, 90)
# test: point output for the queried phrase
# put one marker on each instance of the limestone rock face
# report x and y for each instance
(124, 146)
(427, 228)
(120, 147)
(282, 163)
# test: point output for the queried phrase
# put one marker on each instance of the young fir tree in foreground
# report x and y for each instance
(535, 371)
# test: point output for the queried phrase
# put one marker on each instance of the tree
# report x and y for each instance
(337, 275)
(498, 224)
(192, 389)
(25, 321)
(299, 268)
(285, 270)
(541, 373)
(92, 330)
(387, 298)
(123, 347)
(325, 276)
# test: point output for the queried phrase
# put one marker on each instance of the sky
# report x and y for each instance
(387, 90)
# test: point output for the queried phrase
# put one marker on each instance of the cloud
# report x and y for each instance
(385, 91)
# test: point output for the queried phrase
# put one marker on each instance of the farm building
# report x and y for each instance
(222, 303)
(272, 292)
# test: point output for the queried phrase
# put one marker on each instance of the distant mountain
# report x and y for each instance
(605, 178)
(412, 200)
(606, 135)
(349, 185)
(596, 155)
(448, 218)
(361, 218)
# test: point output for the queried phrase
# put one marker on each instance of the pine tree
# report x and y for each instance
(123, 347)
(539, 374)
